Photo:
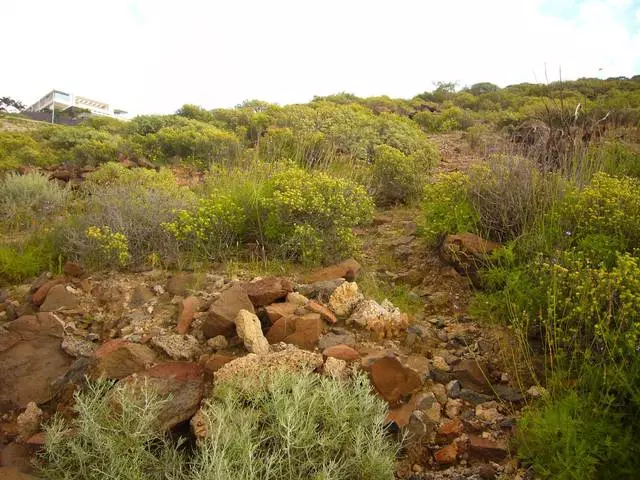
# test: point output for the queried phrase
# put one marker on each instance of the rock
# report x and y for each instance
(78, 346)
(473, 397)
(453, 407)
(176, 346)
(401, 415)
(59, 298)
(276, 311)
(118, 359)
(537, 392)
(342, 352)
(17, 455)
(179, 283)
(297, 298)
(73, 269)
(180, 384)
(268, 290)
(214, 362)
(447, 455)
(141, 294)
(290, 359)
(428, 403)
(41, 293)
(507, 393)
(486, 449)
(471, 375)
(187, 309)
(335, 368)
(344, 299)
(222, 314)
(250, 331)
(467, 252)
(331, 339)
(441, 364)
(487, 471)
(301, 330)
(218, 343)
(385, 320)
(488, 412)
(198, 424)
(29, 422)
(12, 473)
(440, 393)
(31, 360)
(391, 378)
(326, 314)
(450, 430)
(453, 388)
(322, 290)
(348, 269)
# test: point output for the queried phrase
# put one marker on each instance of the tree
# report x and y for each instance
(8, 104)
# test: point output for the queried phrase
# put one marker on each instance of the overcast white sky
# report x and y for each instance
(150, 56)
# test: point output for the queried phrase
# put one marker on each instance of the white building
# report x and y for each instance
(58, 101)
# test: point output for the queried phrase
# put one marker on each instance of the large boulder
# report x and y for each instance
(344, 299)
(180, 384)
(220, 319)
(250, 332)
(59, 298)
(386, 321)
(348, 269)
(300, 330)
(268, 290)
(186, 310)
(31, 360)
(118, 359)
(392, 378)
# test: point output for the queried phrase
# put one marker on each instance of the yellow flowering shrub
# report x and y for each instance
(308, 216)
(109, 248)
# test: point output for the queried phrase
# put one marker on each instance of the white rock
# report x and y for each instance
(29, 421)
(366, 312)
(335, 368)
(441, 364)
(344, 299)
(218, 343)
(537, 391)
(250, 332)
(178, 347)
(488, 412)
(297, 298)
(453, 407)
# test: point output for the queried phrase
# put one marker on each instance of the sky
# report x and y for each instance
(152, 56)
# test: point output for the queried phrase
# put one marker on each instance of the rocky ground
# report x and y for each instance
(449, 379)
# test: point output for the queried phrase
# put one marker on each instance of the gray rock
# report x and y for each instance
(178, 347)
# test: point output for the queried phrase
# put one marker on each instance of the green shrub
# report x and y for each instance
(114, 436)
(572, 439)
(308, 216)
(18, 148)
(23, 260)
(29, 199)
(295, 426)
(617, 157)
(446, 207)
(395, 177)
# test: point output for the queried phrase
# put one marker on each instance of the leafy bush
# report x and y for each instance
(446, 207)
(395, 177)
(570, 438)
(295, 426)
(110, 442)
(18, 148)
(618, 157)
(30, 198)
(20, 261)
(309, 215)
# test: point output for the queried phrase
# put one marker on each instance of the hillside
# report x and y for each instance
(434, 288)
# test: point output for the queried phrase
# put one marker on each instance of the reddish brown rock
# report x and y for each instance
(471, 375)
(303, 331)
(12, 473)
(391, 378)
(31, 360)
(449, 431)
(220, 319)
(118, 359)
(347, 269)
(487, 449)
(268, 290)
(402, 415)
(73, 269)
(342, 352)
(214, 362)
(320, 309)
(186, 311)
(276, 311)
(179, 283)
(42, 291)
(181, 384)
(447, 455)
(467, 252)
(59, 298)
